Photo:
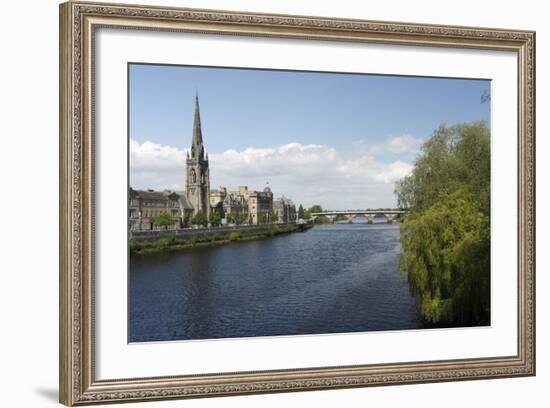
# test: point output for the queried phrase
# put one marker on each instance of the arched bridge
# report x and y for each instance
(390, 215)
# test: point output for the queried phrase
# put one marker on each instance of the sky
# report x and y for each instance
(335, 139)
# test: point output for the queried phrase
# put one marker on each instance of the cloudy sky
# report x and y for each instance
(338, 140)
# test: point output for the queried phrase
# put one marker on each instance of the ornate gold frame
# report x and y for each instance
(78, 20)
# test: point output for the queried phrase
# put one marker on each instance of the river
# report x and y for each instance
(331, 279)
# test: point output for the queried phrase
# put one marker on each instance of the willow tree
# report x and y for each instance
(445, 238)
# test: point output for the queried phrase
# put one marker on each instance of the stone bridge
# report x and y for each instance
(390, 215)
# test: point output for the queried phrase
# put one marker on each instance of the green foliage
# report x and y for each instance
(300, 212)
(321, 220)
(199, 238)
(446, 253)
(445, 238)
(215, 218)
(313, 209)
(163, 220)
(241, 219)
(274, 217)
(454, 158)
(234, 236)
(186, 221)
(199, 219)
(162, 243)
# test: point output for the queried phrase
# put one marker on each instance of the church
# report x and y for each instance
(241, 206)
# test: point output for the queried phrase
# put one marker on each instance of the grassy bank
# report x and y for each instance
(201, 239)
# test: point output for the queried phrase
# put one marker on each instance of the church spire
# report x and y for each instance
(197, 131)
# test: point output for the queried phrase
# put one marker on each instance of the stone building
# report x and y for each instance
(146, 205)
(242, 206)
(285, 210)
(217, 198)
(236, 209)
(197, 180)
(186, 209)
(232, 205)
(260, 204)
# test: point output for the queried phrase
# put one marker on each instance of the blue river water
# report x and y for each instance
(331, 279)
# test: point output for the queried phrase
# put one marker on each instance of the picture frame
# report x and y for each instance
(79, 22)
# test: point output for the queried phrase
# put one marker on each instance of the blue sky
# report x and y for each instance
(340, 140)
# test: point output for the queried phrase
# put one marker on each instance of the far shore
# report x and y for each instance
(209, 237)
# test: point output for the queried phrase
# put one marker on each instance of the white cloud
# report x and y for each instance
(402, 146)
(156, 166)
(307, 173)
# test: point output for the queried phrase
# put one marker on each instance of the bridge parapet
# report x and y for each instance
(391, 215)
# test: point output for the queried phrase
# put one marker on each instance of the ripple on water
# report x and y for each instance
(332, 279)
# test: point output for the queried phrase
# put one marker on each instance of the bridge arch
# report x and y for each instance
(390, 215)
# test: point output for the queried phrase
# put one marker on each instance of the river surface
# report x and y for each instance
(331, 279)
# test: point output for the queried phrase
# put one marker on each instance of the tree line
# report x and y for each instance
(214, 218)
(445, 237)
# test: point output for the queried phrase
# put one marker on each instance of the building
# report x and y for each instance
(230, 205)
(260, 205)
(285, 210)
(186, 209)
(217, 198)
(146, 205)
(242, 206)
(236, 209)
(197, 180)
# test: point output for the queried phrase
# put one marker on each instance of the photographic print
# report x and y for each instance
(277, 203)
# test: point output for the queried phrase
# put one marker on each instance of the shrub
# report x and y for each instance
(162, 243)
(234, 236)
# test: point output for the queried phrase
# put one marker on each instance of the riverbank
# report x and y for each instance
(157, 241)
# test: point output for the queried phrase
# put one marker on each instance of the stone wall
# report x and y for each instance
(200, 232)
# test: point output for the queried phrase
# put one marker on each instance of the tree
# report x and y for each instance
(315, 208)
(323, 219)
(199, 219)
(453, 158)
(215, 218)
(163, 220)
(339, 217)
(185, 221)
(445, 237)
(446, 253)
(274, 217)
(242, 219)
(300, 212)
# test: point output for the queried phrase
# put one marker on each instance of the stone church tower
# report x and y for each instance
(198, 178)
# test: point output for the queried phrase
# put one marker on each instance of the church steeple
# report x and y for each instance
(197, 131)
(197, 179)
